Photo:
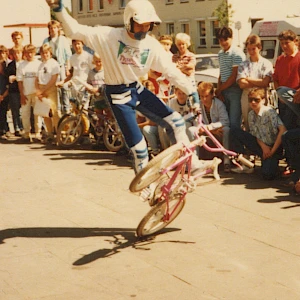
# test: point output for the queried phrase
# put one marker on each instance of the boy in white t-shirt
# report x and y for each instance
(47, 75)
(26, 74)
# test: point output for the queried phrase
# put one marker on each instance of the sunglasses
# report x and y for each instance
(251, 99)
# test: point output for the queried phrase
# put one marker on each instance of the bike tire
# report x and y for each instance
(153, 220)
(112, 137)
(63, 118)
(69, 132)
(152, 171)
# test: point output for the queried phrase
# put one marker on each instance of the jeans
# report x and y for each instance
(63, 104)
(26, 114)
(291, 145)
(3, 117)
(151, 134)
(242, 139)
(232, 102)
(15, 105)
(289, 112)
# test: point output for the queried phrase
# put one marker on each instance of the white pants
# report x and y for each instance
(26, 113)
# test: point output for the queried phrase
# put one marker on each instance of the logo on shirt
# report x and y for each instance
(132, 56)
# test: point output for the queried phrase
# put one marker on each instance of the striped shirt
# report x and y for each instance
(229, 59)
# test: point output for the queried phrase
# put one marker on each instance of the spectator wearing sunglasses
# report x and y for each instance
(264, 137)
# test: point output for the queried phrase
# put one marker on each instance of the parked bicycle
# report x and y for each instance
(103, 126)
(171, 169)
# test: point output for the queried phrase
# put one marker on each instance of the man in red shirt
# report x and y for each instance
(287, 79)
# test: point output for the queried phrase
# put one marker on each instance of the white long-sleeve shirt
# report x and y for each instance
(125, 60)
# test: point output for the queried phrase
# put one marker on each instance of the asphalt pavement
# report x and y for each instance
(67, 231)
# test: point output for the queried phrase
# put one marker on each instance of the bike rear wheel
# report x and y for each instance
(154, 219)
(152, 171)
(112, 137)
(69, 132)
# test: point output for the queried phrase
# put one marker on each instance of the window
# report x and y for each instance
(202, 33)
(215, 26)
(122, 3)
(170, 28)
(169, 1)
(80, 6)
(100, 5)
(184, 1)
(90, 5)
(185, 27)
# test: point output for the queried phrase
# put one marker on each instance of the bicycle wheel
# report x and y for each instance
(69, 132)
(152, 171)
(154, 219)
(112, 137)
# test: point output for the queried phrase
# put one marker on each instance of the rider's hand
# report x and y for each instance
(56, 5)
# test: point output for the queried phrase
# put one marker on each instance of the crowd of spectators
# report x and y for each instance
(237, 112)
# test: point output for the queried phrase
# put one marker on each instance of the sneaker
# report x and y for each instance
(244, 169)
(3, 137)
(18, 133)
(147, 194)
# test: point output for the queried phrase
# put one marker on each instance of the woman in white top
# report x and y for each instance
(46, 87)
(255, 71)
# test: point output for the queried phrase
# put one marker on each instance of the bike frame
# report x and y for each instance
(182, 168)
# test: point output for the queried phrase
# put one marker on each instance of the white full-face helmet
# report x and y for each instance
(140, 11)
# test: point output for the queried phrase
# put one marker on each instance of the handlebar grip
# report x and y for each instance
(245, 161)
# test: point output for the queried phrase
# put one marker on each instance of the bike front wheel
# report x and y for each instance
(155, 218)
(69, 132)
(112, 137)
(152, 171)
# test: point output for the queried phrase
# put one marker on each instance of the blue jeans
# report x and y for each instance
(242, 139)
(3, 118)
(15, 105)
(289, 112)
(291, 145)
(232, 102)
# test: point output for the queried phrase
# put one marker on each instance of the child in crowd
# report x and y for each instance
(26, 74)
(228, 90)
(264, 138)
(17, 38)
(4, 56)
(3, 103)
(81, 63)
(255, 71)
(216, 120)
(287, 79)
(162, 86)
(13, 89)
(185, 60)
(149, 128)
(45, 83)
(61, 52)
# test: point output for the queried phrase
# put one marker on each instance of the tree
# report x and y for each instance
(224, 13)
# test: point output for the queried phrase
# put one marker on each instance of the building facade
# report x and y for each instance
(194, 17)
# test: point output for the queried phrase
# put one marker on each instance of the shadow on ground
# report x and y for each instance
(120, 238)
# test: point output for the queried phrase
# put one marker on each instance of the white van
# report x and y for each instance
(268, 31)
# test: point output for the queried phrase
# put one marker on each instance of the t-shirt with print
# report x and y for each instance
(27, 73)
(46, 70)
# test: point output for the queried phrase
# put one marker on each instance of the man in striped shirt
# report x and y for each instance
(228, 90)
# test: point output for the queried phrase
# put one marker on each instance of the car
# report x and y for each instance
(207, 68)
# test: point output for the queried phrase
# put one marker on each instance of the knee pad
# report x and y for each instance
(140, 155)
